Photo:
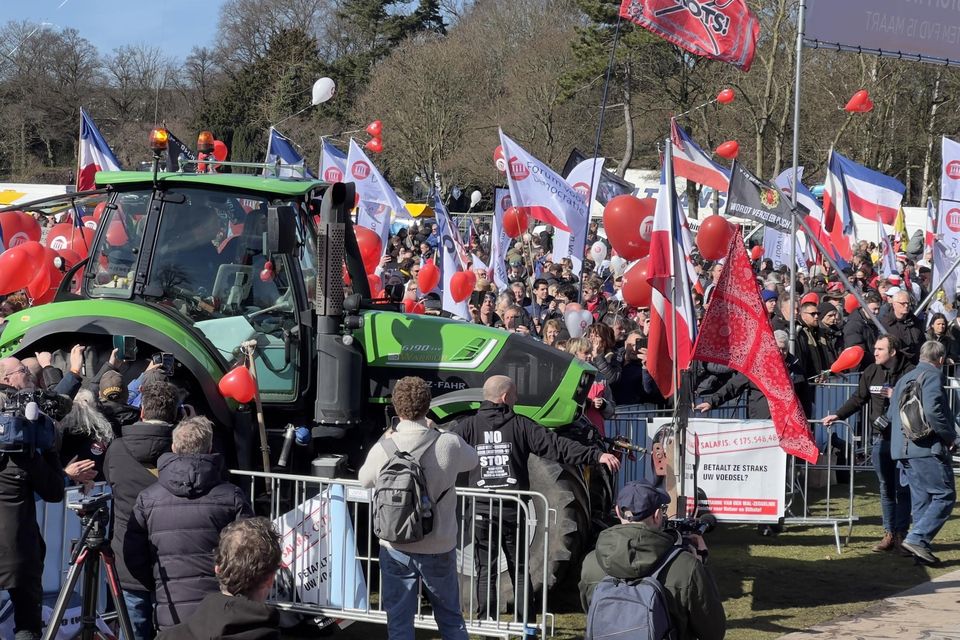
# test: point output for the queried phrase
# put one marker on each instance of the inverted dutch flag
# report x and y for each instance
(690, 161)
(280, 148)
(95, 154)
(851, 188)
(672, 289)
(333, 162)
(834, 241)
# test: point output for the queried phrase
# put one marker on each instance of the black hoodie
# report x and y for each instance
(870, 390)
(504, 440)
(223, 617)
(176, 526)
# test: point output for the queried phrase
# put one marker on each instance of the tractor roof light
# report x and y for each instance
(205, 142)
(159, 138)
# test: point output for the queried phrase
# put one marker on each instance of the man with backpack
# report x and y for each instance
(922, 437)
(663, 572)
(412, 471)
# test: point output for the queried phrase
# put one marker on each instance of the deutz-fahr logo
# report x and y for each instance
(770, 198)
(360, 170)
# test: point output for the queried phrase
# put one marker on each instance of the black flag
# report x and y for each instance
(752, 198)
(611, 185)
(176, 150)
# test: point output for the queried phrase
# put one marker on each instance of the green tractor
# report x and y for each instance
(197, 264)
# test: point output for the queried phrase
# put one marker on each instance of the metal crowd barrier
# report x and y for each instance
(331, 558)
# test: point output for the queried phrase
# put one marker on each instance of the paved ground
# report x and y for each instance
(930, 611)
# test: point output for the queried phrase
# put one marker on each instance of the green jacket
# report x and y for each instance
(631, 551)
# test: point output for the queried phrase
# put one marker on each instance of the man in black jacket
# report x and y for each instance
(21, 545)
(874, 391)
(130, 467)
(860, 330)
(177, 522)
(504, 441)
(247, 560)
(905, 326)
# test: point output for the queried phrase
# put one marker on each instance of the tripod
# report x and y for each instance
(91, 548)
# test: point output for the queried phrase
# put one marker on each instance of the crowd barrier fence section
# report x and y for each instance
(331, 557)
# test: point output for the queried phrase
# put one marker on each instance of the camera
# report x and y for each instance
(90, 505)
(881, 424)
(27, 421)
(693, 526)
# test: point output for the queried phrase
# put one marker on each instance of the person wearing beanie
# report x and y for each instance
(831, 328)
(769, 299)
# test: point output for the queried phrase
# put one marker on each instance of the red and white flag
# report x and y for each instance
(673, 320)
(736, 333)
(95, 154)
(851, 188)
(547, 197)
(692, 163)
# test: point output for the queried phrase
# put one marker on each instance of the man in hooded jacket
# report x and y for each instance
(633, 549)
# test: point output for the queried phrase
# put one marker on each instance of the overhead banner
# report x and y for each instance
(919, 29)
(750, 197)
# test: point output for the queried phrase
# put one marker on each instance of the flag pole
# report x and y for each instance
(796, 179)
(939, 285)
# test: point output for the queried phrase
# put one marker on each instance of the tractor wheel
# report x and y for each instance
(565, 492)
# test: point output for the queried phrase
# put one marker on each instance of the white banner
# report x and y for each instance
(777, 247)
(583, 175)
(450, 263)
(499, 240)
(905, 27)
(377, 200)
(741, 469)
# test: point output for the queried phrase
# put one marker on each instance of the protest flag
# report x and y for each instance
(95, 154)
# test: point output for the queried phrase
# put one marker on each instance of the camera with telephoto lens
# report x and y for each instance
(27, 421)
(693, 526)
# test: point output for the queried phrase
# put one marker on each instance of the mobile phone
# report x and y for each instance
(126, 347)
(165, 360)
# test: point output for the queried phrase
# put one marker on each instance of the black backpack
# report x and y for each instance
(913, 421)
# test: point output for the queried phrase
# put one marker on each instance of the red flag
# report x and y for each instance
(735, 332)
(725, 31)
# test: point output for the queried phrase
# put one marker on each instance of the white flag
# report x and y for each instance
(450, 264)
(581, 178)
(333, 162)
(499, 240)
(943, 259)
(377, 201)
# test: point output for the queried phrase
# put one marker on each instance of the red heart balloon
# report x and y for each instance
(376, 286)
(461, 285)
(848, 359)
(636, 290)
(857, 101)
(371, 247)
(375, 128)
(728, 149)
(428, 278)
(238, 384)
(374, 144)
(413, 307)
(713, 238)
(726, 96)
(515, 221)
(628, 221)
(866, 107)
(220, 151)
(19, 227)
(756, 253)
(67, 236)
(19, 266)
(499, 160)
(850, 303)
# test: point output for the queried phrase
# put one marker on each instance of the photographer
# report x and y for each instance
(639, 545)
(21, 546)
(635, 385)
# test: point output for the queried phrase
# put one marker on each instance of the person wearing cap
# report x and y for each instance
(113, 402)
(635, 548)
(860, 330)
(901, 322)
(812, 348)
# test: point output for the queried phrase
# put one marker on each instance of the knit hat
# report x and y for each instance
(825, 308)
(768, 295)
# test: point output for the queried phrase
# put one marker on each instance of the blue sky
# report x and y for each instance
(174, 26)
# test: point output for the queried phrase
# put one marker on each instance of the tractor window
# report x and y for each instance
(114, 261)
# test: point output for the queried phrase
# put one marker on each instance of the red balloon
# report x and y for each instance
(117, 233)
(515, 221)
(756, 253)
(628, 221)
(499, 160)
(866, 107)
(238, 384)
(429, 277)
(850, 303)
(858, 101)
(726, 96)
(636, 290)
(413, 307)
(375, 284)
(67, 236)
(729, 149)
(19, 227)
(374, 144)
(18, 268)
(375, 128)
(45, 283)
(219, 151)
(371, 247)
(461, 285)
(848, 359)
(713, 238)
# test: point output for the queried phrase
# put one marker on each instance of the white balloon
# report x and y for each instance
(475, 198)
(618, 265)
(323, 90)
(598, 251)
(577, 322)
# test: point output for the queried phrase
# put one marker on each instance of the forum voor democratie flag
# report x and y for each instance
(376, 199)
(722, 30)
(736, 333)
(450, 261)
(673, 320)
(690, 161)
(95, 154)
(948, 220)
(281, 149)
(499, 240)
(851, 188)
(333, 162)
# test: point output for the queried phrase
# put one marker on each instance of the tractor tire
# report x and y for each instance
(565, 491)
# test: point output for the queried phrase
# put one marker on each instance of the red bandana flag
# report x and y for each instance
(718, 29)
(735, 332)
